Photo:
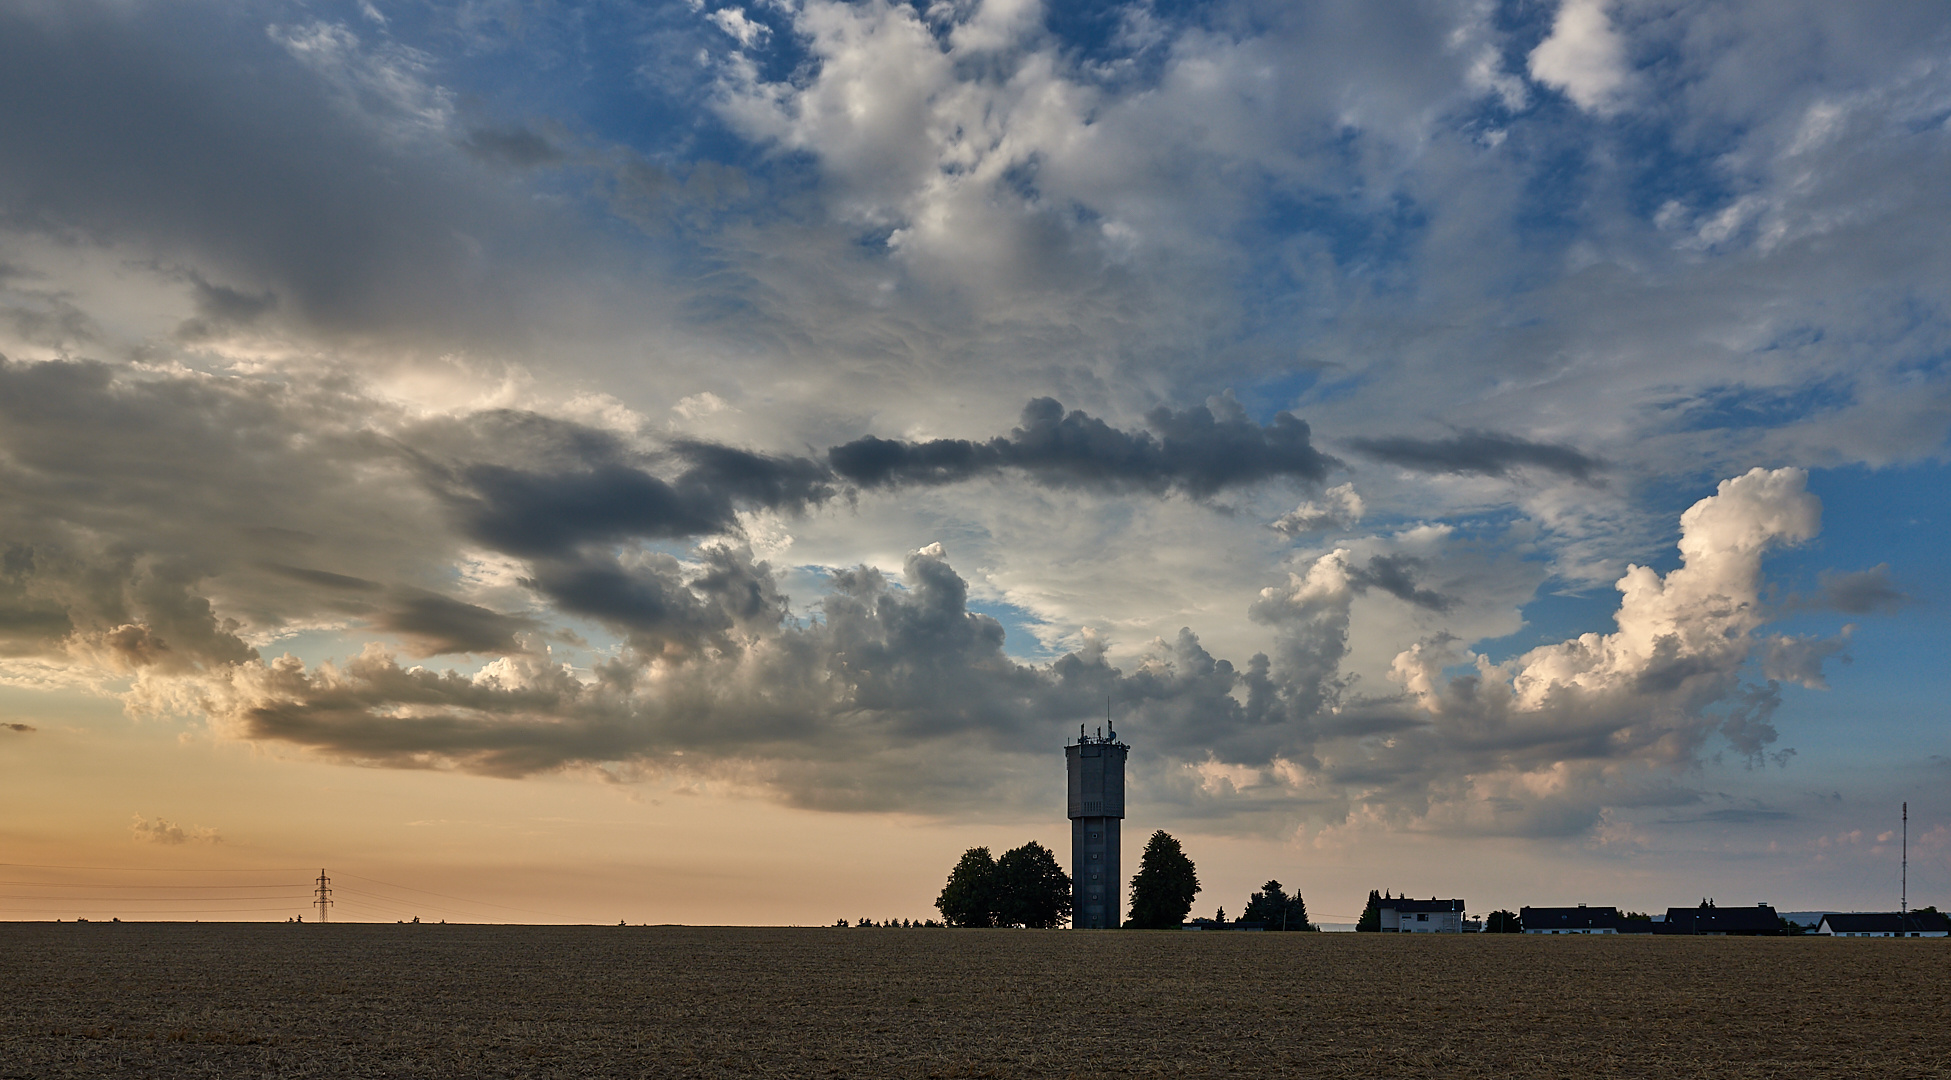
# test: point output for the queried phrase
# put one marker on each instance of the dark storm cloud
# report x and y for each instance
(122, 492)
(1732, 817)
(1194, 451)
(22, 728)
(842, 706)
(658, 605)
(516, 146)
(323, 578)
(1479, 452)
(439, 624)
(558, 486)
(1863, 592)
(537, 513)
(292, 161)
(225, 304)
(1396, 575)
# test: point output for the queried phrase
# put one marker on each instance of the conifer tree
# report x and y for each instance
(1371, 915)
(1163, 888)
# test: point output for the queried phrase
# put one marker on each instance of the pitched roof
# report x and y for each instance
(1887, 922)
(1569, 918)
(1401, 904)
(1760, 919)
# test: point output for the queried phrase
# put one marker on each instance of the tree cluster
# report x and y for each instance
(1026, 887)
(1276, 910)
(1503, 922)
(1163, 888)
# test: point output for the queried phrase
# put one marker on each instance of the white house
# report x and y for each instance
(1432, 916)
(1885, 924)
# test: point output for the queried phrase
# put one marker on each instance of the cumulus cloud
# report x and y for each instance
(843, 701)
(810, 711)
(1642, 694)
(1201, 450)
(146, 830)
(937, 213)
(1338, 508)
(1786, 658)
(1585, 56)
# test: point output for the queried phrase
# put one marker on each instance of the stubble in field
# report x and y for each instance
(300, 1000)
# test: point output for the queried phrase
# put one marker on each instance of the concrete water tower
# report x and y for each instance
(1097, 810)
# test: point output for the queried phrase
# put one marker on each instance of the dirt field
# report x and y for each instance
(171, 1000)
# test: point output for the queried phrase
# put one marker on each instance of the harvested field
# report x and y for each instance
(176, 1000)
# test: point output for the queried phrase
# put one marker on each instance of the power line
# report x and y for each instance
(321, 892)
(148, 899)
(166, 869)
(158, 885)
(191, 911)
(399, 904)
(462, 899)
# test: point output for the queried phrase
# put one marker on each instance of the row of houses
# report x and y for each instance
(1709, 920)
(1434, 916)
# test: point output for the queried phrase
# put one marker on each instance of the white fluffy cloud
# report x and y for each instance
(146, 830)
(1585, 56)
(1338, 508)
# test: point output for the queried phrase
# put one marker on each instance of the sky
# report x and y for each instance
(699, 462)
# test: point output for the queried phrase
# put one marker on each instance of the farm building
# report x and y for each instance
(1885, 924)
(1432, 916)
(1570, 920)
(1708, 920)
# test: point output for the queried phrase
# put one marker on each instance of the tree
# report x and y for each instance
(1371, 921)
(1033, 889)
(1275, 909)
(1163, 888)
(970, 897)
(1026, 887)
(1503, 922)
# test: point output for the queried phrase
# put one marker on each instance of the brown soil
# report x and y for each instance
(170, 1000)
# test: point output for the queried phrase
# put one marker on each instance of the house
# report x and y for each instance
(1711, 921)
(1885, 924)
(1570, 920)
(1431, 916)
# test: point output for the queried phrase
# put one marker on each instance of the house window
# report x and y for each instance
(1422, 918)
